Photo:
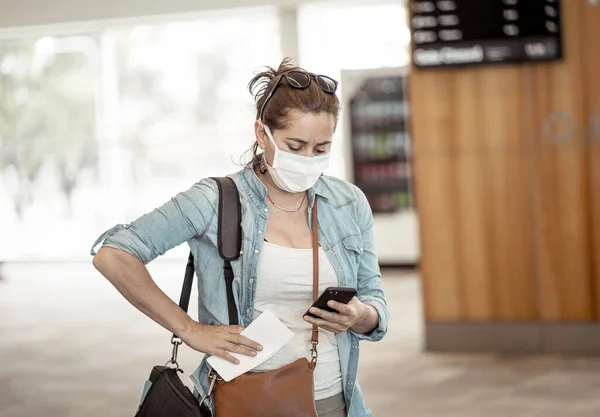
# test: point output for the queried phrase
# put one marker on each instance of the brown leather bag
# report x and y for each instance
(283, 392)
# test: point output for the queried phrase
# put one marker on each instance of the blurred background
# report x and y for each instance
(473, 127)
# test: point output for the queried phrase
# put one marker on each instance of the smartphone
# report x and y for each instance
(339, 294)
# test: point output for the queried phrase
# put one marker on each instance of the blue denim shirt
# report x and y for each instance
(345, 233)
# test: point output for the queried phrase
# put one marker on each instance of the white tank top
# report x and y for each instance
(284, 286)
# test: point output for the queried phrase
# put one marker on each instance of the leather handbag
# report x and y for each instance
(165, 395)
(283, 392)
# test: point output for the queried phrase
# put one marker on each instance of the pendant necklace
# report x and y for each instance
(286, 209)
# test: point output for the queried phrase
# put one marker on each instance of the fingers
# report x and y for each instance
(238, 339)
(326, 315)
(227, 348)
(327, 325)
(345, 309)
(234, 329)
(242, 350)
(222, 341)
(231, 341)
(244, 341)
(223, 354)
(333, 322)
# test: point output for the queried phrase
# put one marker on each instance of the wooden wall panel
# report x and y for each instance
(511, 233)
(561, 206)
(477, 241)
(518, 208)
(454, 105)
(473, 240)
(433, 118)
(591, 31)
(465, 103)
(473, 193)
(494, 236)
(503, 112)
(504, 120)
(435, 183)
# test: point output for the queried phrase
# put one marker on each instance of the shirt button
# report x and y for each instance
(361, 250)
(266, 210)
(260, 232)
(250, 280)
(248, 310)
(343, 282)
(256, 251)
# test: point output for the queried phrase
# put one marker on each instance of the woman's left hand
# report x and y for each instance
(346, 317)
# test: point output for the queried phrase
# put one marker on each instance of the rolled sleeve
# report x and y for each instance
(127, 239)
(185, 216)
(369, 290)
(380, 331)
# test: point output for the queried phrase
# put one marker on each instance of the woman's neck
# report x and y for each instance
(279, 196)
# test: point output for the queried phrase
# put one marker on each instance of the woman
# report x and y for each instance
(297, 113)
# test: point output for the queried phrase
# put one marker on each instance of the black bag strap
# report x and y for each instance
(229, 238)
(229, 242)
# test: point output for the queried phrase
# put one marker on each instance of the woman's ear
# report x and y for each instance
(261, 135)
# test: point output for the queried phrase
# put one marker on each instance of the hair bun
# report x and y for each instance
(261, 82)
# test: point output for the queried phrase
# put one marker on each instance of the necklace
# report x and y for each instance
(286, 209)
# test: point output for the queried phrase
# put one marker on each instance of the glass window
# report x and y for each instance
(184, 108)
(48, 149)
(98, 128)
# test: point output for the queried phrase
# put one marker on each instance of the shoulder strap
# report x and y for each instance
(229, 242)
(230, 219)
(229, 236)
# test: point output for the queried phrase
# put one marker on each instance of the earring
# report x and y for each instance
(263, 165)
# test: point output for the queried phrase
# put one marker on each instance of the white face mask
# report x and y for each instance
(295, 173)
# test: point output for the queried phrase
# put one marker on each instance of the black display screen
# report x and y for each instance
(470, 32)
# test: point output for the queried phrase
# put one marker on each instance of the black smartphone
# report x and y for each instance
(339, 294)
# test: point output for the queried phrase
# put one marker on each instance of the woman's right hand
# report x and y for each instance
(219, 341)
(130, 277)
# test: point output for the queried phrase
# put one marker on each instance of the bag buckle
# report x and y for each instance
(214, 377)
(313, 352)
(172, 363)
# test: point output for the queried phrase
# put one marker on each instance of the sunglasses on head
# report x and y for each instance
(301, 80)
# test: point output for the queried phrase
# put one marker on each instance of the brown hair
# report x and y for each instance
(311, 100)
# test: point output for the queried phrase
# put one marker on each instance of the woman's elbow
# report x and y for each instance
(106, 259)
(99, 259)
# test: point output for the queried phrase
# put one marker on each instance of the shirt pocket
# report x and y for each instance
(352, 247)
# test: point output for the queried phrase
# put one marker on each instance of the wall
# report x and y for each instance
(507, 186)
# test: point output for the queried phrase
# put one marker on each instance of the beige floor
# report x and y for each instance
(70, 347)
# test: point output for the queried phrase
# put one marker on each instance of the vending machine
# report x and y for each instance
(377, 141)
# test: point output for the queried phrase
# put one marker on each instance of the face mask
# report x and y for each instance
(295, 173)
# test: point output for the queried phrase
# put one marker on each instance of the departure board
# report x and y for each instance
(471, 32)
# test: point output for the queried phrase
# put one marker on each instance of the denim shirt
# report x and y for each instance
(345, 233)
